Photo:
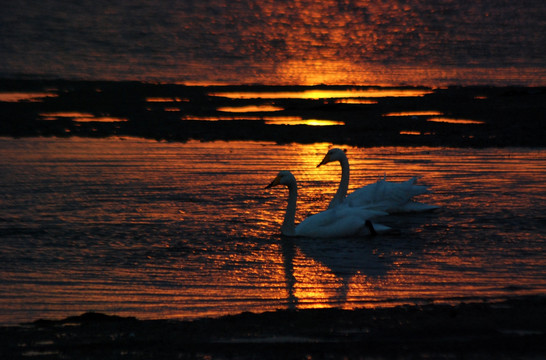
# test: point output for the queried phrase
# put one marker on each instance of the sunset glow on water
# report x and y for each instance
(269, 120)
(24, 96)
(325, 94)
(250, 108)
(184, 230)
(279, 43)
(433, 43)
(137, 138)
(455, 121)
(79, 117)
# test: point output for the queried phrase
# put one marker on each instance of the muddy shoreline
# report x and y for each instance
(513, 328)
(506, 116)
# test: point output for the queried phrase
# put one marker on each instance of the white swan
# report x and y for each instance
(343, 221)
(392, 197)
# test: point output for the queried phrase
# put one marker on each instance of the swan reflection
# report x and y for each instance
(342, 272)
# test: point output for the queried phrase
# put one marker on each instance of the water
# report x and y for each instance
(431, 43)
(169, 230)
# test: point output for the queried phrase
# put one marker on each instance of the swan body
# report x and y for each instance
(342, 221)
(388, 196)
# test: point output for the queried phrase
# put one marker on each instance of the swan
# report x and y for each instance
(388, 196)
(342, 221)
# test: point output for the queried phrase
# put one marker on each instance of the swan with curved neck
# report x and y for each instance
(343, 221)
(341, 193)
(388, 196)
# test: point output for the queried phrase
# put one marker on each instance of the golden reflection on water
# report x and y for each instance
(415, 113)
(166, 99)
(221, 117)
(455, 121)
(80, 117)
(315, 284)
(215, 248)
(409, 132)
(325, 94)
(269, 120)
(355, 101)
(24, 96)
(320, 71)
(299, 121)
(250, 108)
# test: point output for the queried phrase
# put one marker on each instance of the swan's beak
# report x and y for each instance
(275, 182)
(324, 161)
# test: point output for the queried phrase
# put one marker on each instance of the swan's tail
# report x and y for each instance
(375, 229)
(370, 227)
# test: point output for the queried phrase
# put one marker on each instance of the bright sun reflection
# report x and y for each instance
(316, 94)
(299, 121)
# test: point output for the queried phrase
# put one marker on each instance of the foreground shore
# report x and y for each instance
(468, 116)
(514, 328)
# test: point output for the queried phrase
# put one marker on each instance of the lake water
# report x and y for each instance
(183, 230)
(306, 42)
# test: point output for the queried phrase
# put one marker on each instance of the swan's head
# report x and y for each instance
(284, 177)
(334, 154)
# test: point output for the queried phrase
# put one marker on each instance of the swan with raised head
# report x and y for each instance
(343, 221)
(388, 196)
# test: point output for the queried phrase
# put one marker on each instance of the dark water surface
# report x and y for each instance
(183, 230)
(426, 42)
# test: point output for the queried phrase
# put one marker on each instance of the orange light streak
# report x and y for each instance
(18, 96)
(80, 117)
(309, 122)
(415, 113)
(166, 99)
(269, 120)
(325, 94)
(250, 108)
(455, 121)
(356, 101)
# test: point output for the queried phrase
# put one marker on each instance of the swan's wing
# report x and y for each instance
(363, 212)
(338, 227)
(383, 190)
(388, 196)
(341, 221)
(380, 229)
(320, 220)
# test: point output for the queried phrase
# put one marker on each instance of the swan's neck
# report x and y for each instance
(288, 226)
(343, 185)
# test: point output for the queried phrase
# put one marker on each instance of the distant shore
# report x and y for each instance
(487, 330)
(468, 116)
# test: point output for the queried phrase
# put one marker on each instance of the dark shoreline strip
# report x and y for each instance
(513, 328)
